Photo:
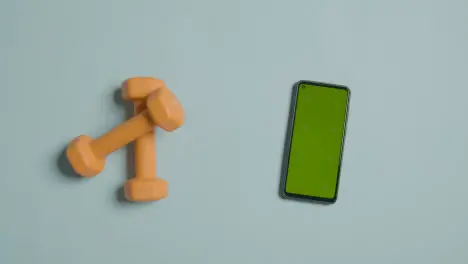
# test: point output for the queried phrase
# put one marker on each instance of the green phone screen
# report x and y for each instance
(317, 136)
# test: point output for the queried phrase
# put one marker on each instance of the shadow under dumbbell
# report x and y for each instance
(65, 167)
(120, 101)
(120, 196)
(122, 200)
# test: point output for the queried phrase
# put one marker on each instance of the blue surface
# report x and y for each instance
(232, 65)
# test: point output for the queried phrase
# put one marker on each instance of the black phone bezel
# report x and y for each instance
(288, 142)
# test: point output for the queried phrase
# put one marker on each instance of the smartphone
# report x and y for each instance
(314, 141)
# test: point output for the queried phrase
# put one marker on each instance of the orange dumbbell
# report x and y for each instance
(145, 186)
(87, 156)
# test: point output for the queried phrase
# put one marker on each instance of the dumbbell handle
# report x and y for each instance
(123, 134)
(145, 150)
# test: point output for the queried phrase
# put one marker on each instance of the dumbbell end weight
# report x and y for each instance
(82, 158)
(165, 110)
(138, 88)
(144, 190)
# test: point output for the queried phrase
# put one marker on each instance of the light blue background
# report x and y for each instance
(403, 193)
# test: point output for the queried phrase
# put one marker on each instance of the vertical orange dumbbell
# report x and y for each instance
(87, 155)
(145, 186)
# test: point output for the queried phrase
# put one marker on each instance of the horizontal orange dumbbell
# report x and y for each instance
(87, 156)
(145, 186)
